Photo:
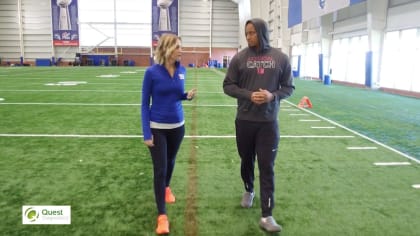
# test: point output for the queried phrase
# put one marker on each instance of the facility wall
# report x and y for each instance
(26, 33)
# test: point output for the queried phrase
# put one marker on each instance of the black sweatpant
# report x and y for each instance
(166, 146)
(258, 140)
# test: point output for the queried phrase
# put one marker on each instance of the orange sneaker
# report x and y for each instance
(169, 196)
(162, 225)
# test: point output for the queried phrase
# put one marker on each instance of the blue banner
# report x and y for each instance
(303, 10)
(64, 22)
(164, 18)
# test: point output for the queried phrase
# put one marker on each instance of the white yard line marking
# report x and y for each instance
(108, 76)
(358, 134)
(91, 90)
(392, 163)
(361, 148)
(68, 104)
(316, 136)
(322, 127)
(140, 136)
(209, 105)
(288, 109)
(309, 120)
(416, 185)
(73, 90)
(101, 104)
(298, 114)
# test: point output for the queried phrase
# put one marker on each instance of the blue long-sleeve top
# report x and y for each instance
(162, 97)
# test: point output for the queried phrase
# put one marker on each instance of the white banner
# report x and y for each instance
(303, 10)
(314, 8)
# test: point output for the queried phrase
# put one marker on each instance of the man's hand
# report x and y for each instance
(261, 96)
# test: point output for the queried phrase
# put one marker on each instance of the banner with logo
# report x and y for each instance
(46, 215)
(64, 22)
(303, 10)
(164, 18)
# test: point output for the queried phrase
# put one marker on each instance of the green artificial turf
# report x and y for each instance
(322, 186)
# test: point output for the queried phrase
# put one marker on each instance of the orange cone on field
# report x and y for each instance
(305, 102)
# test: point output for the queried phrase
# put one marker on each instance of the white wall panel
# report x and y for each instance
(6, 13)
(9, 30)
(208, 23)
(350, 25)
(404, 16)
(12, 6)
(352, 11)
(8, 22)
(225, 24)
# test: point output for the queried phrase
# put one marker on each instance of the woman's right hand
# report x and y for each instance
(149, 142)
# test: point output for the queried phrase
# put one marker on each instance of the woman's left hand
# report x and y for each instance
(191, 94)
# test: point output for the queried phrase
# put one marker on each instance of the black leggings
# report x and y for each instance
(258, 140)
(166, 146)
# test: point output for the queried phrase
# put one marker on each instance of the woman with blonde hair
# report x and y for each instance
(163, 118)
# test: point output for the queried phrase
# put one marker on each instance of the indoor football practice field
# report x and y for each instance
(348, 165)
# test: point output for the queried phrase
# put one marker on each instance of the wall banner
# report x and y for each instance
(303, 10)
(164, 18)
(64, 22)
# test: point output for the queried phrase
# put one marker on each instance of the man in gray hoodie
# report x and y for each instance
(259, 76)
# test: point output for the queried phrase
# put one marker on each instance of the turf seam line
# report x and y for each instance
(190, 214)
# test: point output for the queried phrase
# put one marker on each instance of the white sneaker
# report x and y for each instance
(269, 224)
(247, 199)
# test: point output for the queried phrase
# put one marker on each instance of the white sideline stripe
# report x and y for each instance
(323, 127)
(392, 163)
(416, 185)
(309, 120)
(289, 109)
(357, 133)
(100, 104)
(140, 136)
(361, 148)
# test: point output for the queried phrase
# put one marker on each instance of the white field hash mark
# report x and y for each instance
(322, 127)
(392, 163)
(302, 120)
(361, 148)
(356, 133)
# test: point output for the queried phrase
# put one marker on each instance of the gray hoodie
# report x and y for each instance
(251, 69)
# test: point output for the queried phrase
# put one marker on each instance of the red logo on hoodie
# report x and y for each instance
(260, 63)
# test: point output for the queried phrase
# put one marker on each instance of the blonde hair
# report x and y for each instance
(166, 46)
